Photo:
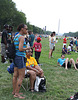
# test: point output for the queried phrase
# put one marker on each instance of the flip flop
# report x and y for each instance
(14, 93)
(18, 96)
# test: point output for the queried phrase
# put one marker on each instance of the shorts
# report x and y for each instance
(37, 55)
(20, 62)
(51, 46)
(3, 50)
(76, 65)
(68, 65)
(76, 45)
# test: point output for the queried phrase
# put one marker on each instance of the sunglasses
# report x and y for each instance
(30, 51)
(26, 28)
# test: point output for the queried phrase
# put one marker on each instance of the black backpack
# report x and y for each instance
(11, 51)
(42, 85)
(75, 97)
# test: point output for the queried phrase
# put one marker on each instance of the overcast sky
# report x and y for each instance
(51, 13)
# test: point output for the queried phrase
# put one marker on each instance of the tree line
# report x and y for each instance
(10, 15)
(72, 34)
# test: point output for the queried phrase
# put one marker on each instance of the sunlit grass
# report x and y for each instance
(60, 83)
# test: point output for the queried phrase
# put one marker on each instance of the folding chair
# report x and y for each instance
(10, 69)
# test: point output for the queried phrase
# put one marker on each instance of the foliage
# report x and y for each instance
(71, 34)
(60, 83)
(9, 14)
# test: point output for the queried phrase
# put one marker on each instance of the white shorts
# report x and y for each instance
(51, 46)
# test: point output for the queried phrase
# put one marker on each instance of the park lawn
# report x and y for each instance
(60, 83)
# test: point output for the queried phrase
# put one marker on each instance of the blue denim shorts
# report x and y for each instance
(20, 62)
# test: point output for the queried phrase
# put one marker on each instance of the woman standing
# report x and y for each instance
(51, 45)
(19, 60)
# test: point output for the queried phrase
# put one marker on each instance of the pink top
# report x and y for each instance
(37, 46)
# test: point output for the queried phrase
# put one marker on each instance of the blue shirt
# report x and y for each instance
(61, 61)
(16, 43)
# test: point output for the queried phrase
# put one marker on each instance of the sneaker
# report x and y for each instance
(75, 51)
(5, 62)
(51, 56)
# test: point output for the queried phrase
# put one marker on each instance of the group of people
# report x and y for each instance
(23, 61)
(73, 43)
(6, 40)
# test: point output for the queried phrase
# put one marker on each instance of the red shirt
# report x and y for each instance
(64, 40)
(37, 46)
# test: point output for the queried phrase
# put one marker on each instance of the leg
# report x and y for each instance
(40, 73)
(2, 59)
(66, 62)
(15, 79)
(21, 73)
(32, 78)
(73, 62)
(50, 53)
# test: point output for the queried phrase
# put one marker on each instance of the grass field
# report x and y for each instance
(60, 83)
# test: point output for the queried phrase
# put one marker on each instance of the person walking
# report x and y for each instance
(51, 44)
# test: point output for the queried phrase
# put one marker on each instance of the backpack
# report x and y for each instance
(40, 84)
(10, 69)
(11, 51)
(75, 97)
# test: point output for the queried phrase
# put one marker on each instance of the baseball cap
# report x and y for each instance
(39, 38)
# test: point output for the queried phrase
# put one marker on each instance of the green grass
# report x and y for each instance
(60, 83)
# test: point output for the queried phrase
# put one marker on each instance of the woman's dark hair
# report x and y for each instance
(62, 55)
(29, 32)
(20, 26)
(51, 34)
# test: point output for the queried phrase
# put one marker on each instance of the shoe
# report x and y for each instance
(5, 62)
(51, 56)
(75, 51)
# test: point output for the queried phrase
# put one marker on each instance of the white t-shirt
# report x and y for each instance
(69, 48)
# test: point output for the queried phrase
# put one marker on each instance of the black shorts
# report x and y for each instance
(37, 55)
(68, 65)
(76, 65)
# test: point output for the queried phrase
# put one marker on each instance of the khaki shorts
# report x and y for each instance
(3, 53)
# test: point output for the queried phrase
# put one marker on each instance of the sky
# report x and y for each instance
(60, 16)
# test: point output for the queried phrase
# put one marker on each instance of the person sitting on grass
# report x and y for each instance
(65, 62)
(32, 69)
(76, 63)
(64, 50)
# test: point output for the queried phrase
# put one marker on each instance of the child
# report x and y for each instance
(37, 45)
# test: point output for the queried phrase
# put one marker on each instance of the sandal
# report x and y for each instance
(13, 93)
(18, 96)
(32, 90)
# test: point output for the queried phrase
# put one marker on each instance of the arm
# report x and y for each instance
(58, 64)
(21, 41)
(30, 68)
(64, 51)
(52, 40)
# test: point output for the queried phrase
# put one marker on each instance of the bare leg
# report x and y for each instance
(73, 62)
(66, 62)
(15, 79)
(50, 53)
(21, 73)
(41, 74)
(32, 78)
